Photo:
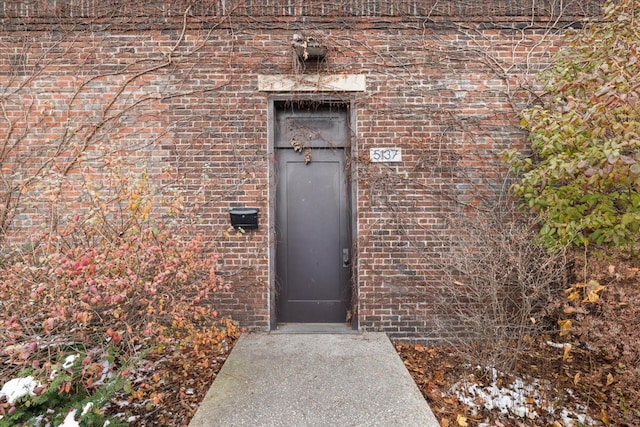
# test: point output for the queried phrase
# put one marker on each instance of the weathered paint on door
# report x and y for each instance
(312, 215)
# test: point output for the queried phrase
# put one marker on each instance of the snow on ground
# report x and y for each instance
(18, 387)
(68, 361)
(517, 397)
(70, 420)
(106, 373)
(86, 408)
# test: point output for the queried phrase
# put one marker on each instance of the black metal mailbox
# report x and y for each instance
(245, 218)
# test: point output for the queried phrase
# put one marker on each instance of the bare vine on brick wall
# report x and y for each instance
(444, 82)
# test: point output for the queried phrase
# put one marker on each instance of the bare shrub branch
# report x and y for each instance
(497, 285)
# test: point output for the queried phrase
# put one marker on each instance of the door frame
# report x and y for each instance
(350, 152)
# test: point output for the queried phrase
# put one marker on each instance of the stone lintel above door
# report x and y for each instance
(311, 83)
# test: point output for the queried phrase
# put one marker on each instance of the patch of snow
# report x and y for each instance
(557, 344)
(123, 403)
(86, 409)
(70, 420)
(68, 361)
(511, 399)
(581, 419)
(516, 397)
(37, 421)
(106, 373)
(18, 387)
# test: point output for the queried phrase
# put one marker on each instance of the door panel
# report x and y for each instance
(321, 127)
(312, 227)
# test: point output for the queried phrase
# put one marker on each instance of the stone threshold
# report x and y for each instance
(314, 328)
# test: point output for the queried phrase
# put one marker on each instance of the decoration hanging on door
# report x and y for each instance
(298, 147)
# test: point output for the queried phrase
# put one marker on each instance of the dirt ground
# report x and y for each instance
(183, 390)
(590, 376)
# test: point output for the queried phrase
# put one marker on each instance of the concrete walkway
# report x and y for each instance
(314, 380)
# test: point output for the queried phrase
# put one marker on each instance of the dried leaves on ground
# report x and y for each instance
(587, 374)
(179, 379)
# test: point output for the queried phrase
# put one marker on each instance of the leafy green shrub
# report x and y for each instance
(76, 386)
(583, 178)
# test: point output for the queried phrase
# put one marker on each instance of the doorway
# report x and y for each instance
(313, 259)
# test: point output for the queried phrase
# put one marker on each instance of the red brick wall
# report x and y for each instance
(182, 103)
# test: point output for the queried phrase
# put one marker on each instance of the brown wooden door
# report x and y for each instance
(313, 253)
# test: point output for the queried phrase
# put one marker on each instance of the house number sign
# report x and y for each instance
(385, 154)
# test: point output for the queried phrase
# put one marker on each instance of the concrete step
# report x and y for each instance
(316, 379)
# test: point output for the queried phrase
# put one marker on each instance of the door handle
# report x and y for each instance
(346, 257)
